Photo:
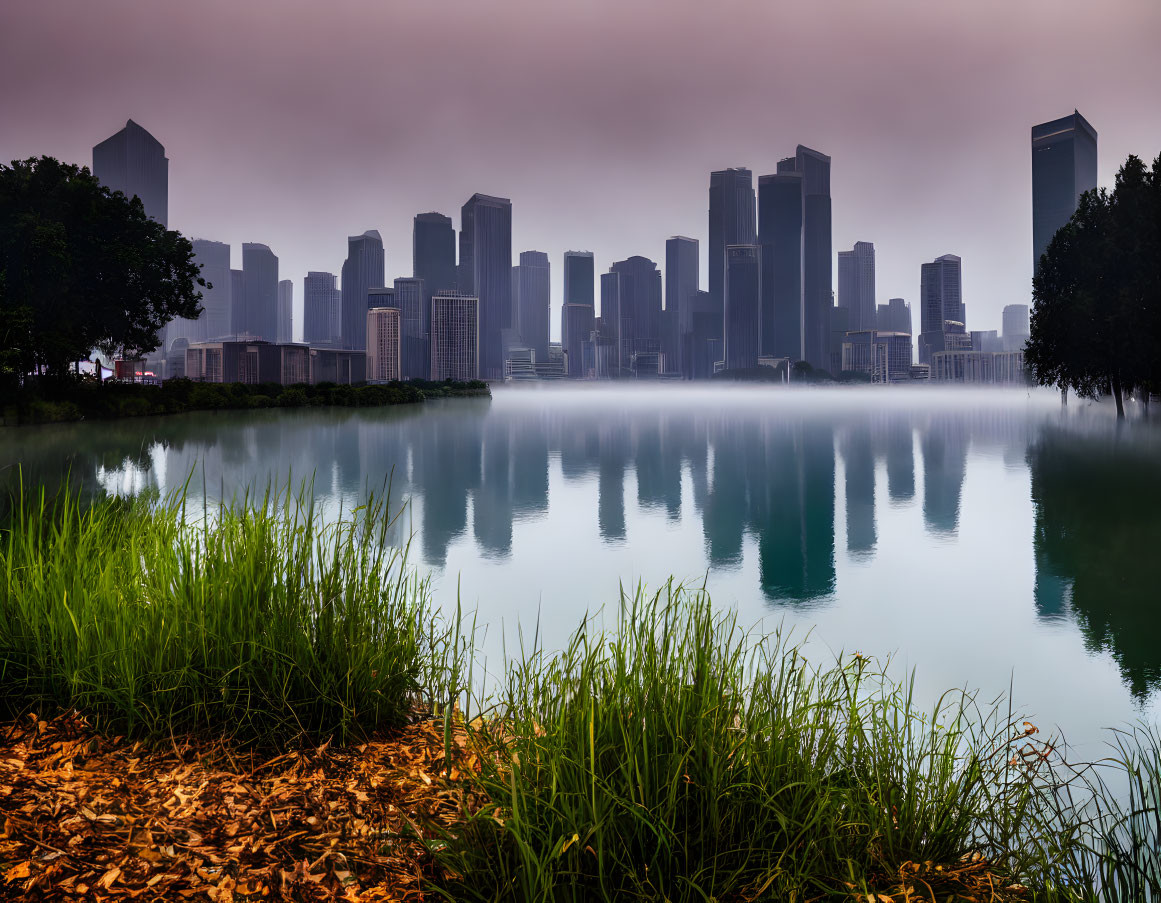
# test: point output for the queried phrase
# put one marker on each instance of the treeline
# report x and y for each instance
(68, 399)
(1096, 318)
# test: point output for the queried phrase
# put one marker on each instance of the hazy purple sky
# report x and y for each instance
(298, 122)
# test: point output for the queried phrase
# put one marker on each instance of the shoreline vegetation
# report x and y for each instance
(67, 399)
(244, 702)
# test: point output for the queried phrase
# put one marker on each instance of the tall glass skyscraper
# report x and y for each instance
(856, 285)
(486, 274)
(780, 238)
(285, 311)
(639, 305)
(322, 310)
(579, 291)
(579, 279)
(731, 222)
(681, 278)
(260, 292)
(134, 163)
(743, 322)
(531, 291)
(362, 270)
(1064, 165)
(433, 259)
(214, 259)
(940, 303)
(411, 297)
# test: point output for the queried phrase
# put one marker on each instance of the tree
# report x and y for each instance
(83, 267)
(1096, 317)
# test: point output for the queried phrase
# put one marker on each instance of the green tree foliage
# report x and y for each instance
(1096, 318)
(83, 267)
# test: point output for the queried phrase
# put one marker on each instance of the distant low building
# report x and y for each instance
(978, 367)
(254, 362)
(886, 356)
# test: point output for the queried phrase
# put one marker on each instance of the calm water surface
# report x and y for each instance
(982, 539)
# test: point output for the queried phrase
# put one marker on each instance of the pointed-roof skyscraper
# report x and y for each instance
(134, 163)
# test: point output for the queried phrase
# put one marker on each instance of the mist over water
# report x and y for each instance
(982, 538)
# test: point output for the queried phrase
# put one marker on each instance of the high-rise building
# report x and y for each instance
(856, 285)
(894, 316)
(381, 296)
(531, 293)
(614, 327)
(780, 211)
(383, 344)
(1016, 329)
(485, 273)
(1064, 166)
(940, 303)
(455, 336)
(213, 257)
(433, 255)
(322, 310)
(809, 194)
(639, 308)
(987, 340)
(681, 278)
(731, 222)
(579, 289)
(362, 270)
(579, 280)
(285, 311)
(134, 163)
(742, 321)
(237, 302)
(260, 292)
(577, 324)
(414, 344)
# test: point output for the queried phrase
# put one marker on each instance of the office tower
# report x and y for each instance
(383, 344)
(742, 322)
(681, 278)
(213, 257)
(894, 316)
(780, 238)
(638, 306)
(579, 280)
(322, 310)
(285, 311)
(612, 327)
(986, 340)
(577, 325)
(940, 303)
(485, 273)
(1016, 329)
(531, 289)
(134, 163)
(1064, 165)
(856, 285)
(410, 295)
(362, 270)
(802, 184)
(237, 302)
(260, 292)
(433, 255)
(455, 336)
(731, 222)
(839, 327)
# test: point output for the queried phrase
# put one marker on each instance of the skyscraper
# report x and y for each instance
(455, 336)
(780, 238)
(214, 259)
(616, 327)
(743, 321)
(531, 289)
(856, 285)
(1064, 165)
(134, 162)
(578, 289)
(260, 292)
(383, 343)
(681, 278)
(285, 311)
(237, 302)
(322, 310)
(413, 338)
(433, 259)
(731, 222)
(486, 274)
(894, 316)
(1015, 327)
(577, 324)
(363, 269)
(579, 281)
(941, 303)
(801, 184)
(639, 307)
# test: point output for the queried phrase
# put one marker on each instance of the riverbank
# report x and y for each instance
(73, 400)
(674, 756)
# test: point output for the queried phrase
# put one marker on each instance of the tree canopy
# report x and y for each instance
(81, 268)
(1096, 316)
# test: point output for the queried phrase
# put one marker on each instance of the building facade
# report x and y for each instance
(681, 287)
(1064, 166)
(941, 301)
(856, 285)
(270, 362)
(485, 273)
(577, 325)
(133, 162)
(362, 270)
(455, 336)
(894, 316)
(1016, 329)
(531, 297)
(979, 367)
(322, 310)
(742, 325)
(637, 296)
(213, 257)
(383, 344)
(260, 293)
(285, 311)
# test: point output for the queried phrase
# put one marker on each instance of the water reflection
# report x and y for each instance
(787, 499)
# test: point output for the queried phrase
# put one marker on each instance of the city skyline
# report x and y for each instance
(946, 161)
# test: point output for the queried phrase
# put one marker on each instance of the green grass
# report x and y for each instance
(258, 622)
(672, 757)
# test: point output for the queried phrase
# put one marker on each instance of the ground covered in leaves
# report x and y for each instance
(88, 817)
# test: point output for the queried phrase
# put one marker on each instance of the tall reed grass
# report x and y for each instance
(253, 619)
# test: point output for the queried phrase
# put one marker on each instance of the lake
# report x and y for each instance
(983, 539)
